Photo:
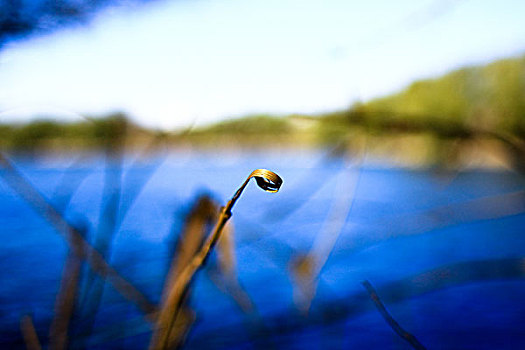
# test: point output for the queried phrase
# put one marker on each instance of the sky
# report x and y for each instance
(172, 64)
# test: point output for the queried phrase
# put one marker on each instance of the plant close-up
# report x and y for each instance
(143, 150)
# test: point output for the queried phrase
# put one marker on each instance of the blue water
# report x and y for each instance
(466, 227)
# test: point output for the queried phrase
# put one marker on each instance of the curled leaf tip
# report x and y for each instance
(267, 180)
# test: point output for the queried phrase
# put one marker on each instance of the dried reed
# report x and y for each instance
(95, 260)
(201, 216)
(29, 333)
(66, 298)
(389, 319)
(162, 337)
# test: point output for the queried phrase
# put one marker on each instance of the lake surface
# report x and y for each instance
(444, 250)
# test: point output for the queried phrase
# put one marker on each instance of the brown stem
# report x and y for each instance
(65, 301)
(95, 260)
(161, 338)
(389, 319)
(29, 333)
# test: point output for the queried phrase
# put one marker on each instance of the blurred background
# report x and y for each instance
(397, 127)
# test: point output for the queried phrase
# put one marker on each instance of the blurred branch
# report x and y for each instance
(126, 328)
(29, 333)
(233, 289)
(112, 133)
(26, 190)
(349, 306)
(134, 188)
(66, 298)
(69, 184)
(224, 274)
(306, 268)
(478, 209)
(201, 216)
(389, 319)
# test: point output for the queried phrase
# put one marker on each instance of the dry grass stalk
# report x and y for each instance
(336, 311)
(95, 260)
(268, 181)
(103, 236)
(113, 213)
(232, 288)
(29, 333)
(182, 324)
(66, 299)
(226, 252)
(191, 238)
(188, 244)
(306, 268)
(389, 319)
(224, 276)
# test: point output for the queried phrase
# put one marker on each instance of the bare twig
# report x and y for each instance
(389, 319)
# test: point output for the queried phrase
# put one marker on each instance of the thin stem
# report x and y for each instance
(29, 333)
(95, 260)
(389, 319)
(161, 338)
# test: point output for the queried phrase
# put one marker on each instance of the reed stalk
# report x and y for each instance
(396, 327)
(66, 299)
(162, 335)
(95, 260)
(29, 334)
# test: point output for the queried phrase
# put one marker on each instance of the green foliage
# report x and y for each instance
(34, 134)
(110, 131)
(250, 125)
(487, 98)
(44, 133)
(490, 97)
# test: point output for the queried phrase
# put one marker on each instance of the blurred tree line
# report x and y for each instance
(474, 114)
(486, 101)
(481, 99)
(50, 134)
(487, 98)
